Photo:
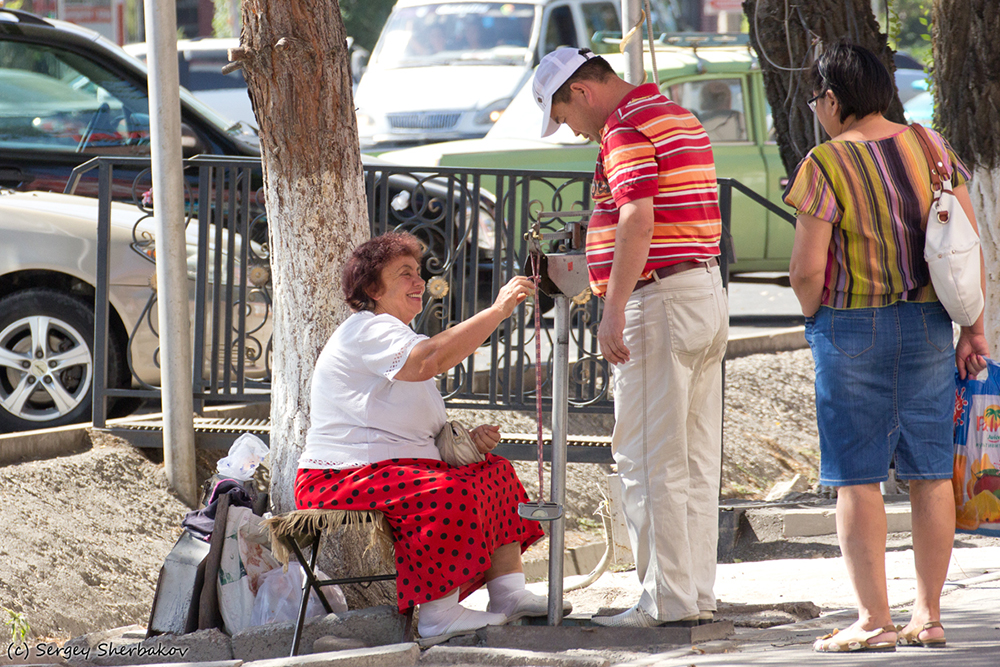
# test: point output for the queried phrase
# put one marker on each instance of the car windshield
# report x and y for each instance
(450, 33)
(523, 120)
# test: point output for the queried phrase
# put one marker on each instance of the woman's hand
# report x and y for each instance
(485, 437)
(513, 293)
(970, 353)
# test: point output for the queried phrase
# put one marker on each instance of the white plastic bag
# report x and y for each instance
(244, 456)
(243, 563)
(280, 593)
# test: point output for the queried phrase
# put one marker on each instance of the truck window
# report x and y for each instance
(600, 16)
(561, 31)
(718, 104)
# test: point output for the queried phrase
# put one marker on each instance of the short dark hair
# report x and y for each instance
(363, 272)
(857, 77)
(595, 69)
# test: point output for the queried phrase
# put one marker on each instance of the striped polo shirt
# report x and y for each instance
(877, 195)
(651, 147)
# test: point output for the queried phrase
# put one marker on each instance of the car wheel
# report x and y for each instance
(47, 360)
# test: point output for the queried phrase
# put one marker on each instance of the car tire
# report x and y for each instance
(48, 383)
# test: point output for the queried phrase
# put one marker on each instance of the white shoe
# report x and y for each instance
(636, 617)
(530, 604)
(467, 622)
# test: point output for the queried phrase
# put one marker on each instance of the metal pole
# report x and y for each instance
(560, 414)
(171, 256)
(634, 71)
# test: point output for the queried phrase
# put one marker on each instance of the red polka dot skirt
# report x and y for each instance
(446, 521)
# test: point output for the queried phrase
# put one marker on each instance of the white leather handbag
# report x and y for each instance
(951, 245)
(456, 446)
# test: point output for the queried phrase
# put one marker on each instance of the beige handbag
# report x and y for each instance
(951, 245)
(456, 446)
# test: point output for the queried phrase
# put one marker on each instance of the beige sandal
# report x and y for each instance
(837, 641)
(912, 638)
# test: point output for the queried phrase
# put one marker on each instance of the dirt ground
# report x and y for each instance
(83, 536)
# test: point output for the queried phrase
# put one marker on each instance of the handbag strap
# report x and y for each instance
(936, 166)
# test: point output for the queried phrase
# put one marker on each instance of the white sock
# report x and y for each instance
(444, 616)
(505, 592)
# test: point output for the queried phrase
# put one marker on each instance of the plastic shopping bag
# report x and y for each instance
(245, 559)
(246, 453)
(976, 475)
(280, 594)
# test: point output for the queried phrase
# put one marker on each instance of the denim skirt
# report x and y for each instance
(885, 389)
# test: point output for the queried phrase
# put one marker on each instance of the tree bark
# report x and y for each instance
(967, 111)
(294, 56)
(783, 33)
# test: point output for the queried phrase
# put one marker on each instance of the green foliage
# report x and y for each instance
(364, 19)
(18, 624)
(907, 23)
(221, 26)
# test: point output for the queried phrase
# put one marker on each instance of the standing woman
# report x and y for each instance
(881, 341)
(370, 446)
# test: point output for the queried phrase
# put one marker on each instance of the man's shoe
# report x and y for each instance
(636, 617)
(706, 617)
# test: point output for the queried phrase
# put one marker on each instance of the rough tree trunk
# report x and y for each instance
(967, 110)
(782, 33)
(294, 54)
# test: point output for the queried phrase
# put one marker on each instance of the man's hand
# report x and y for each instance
(610, 336)
(485, 437)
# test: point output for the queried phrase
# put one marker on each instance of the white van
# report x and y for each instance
(447, 69)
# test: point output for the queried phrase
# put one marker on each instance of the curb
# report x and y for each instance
(576, 561)
(779, 340)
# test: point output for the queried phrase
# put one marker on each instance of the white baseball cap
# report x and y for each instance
(552, 73)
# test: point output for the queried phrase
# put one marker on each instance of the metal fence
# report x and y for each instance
(471, 221)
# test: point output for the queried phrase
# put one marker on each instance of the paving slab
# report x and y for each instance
(373, 626)
(548, 638)
(466, 655)
(201, 646)
(393, 655)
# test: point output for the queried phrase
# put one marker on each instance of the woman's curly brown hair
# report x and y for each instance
(363, 272)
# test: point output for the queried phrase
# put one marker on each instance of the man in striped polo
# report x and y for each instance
(652, 255)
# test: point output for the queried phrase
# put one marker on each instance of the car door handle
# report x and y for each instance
(11, 176)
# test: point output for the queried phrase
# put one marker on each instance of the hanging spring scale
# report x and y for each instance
(539, 510)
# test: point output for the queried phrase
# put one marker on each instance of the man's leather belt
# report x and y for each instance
(665, 271)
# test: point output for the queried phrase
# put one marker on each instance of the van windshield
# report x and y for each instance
(456, 33)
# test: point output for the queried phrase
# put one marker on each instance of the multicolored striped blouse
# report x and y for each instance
(651, 147)
(877, 194)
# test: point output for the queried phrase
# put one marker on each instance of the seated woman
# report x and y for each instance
(375, 413)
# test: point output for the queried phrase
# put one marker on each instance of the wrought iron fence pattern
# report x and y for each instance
(471, 222)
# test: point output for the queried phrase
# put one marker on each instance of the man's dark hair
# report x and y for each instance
(857, 77)
(595, 69)
(363, 272)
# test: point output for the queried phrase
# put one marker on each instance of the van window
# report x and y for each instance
(600, 16)
(561, 31)
(717, 103)
(446, 33)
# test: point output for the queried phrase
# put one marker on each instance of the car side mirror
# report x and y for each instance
(191, 143)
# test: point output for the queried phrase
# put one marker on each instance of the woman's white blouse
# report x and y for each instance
(360, 414)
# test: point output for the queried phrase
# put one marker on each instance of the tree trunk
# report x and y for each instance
(967, 110)
(782, 33)
(294, 55)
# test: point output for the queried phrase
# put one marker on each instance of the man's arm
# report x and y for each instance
(632, 238)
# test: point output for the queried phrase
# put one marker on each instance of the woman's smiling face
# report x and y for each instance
(402, 289)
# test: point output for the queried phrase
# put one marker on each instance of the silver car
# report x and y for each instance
(48, 266)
